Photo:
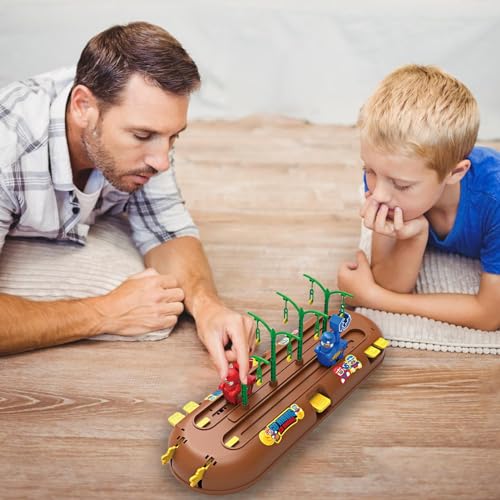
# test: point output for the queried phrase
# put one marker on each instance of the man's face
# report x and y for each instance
(399, 181)
(131, 141)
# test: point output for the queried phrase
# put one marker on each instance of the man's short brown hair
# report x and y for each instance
(111, 57)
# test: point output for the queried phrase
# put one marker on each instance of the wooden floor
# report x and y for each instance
(274, 199)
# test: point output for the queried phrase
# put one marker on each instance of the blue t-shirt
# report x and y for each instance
(476, 231)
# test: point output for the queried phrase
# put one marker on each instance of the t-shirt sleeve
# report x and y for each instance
(157, 212)
(490, 248)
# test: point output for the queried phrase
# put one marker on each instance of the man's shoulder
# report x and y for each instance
(44, 85)
(25, 113)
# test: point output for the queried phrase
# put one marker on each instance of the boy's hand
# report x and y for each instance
(357, 278)
(376, 217)
(228, 336)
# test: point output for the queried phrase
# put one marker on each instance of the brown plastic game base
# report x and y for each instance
(220, 448)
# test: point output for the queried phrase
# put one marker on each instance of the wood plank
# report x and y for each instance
(274, 199)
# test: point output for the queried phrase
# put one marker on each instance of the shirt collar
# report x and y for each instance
(59, 160)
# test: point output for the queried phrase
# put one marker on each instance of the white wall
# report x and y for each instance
(311, 59)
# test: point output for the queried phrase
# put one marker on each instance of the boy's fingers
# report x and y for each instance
(381, 224)
(398, 219)
(351, 266)
(370, 213)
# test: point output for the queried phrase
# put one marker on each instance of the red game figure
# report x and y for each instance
(231, 386)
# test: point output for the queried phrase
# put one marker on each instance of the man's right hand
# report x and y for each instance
(143, 303)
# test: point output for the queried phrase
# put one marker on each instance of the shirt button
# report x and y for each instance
(76, 210)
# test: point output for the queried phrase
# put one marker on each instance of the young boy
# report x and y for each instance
(426, 185)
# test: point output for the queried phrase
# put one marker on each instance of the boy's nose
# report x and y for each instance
(381, 193)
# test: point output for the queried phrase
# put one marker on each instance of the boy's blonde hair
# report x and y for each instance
(422, 111)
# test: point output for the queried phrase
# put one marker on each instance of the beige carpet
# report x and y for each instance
(440, 273)
(38, 269)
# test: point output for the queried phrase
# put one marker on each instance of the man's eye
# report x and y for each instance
(142, 137)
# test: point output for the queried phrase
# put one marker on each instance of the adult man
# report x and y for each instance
(72, 148)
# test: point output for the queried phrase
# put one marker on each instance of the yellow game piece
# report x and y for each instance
(320, 403)
(175, 418)
(190, 407)
(231, 442)
(169, 454)
(381, 343)
(198, 475)
(203, 422)
(372, 352)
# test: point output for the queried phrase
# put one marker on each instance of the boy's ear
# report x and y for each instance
(458, 172)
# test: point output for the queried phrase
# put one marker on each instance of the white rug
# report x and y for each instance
(44, 270)
(440, 273)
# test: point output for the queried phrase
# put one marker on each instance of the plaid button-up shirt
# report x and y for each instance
(37, 195)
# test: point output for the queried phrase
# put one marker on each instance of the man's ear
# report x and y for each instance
(458, 171)
(83, 106)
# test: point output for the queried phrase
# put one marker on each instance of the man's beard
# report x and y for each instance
(103, 160)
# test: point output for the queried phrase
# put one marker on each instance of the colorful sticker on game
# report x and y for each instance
(214, 395)
(350, 365)
(274, 431)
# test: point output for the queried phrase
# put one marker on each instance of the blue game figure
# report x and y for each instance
(331, 346)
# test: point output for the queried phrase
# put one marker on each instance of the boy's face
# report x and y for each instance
(131, 141)
(398, 181)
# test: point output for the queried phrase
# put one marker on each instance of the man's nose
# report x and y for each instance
(159, 160)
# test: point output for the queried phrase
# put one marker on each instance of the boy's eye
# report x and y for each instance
(399, 187)
(368, 171)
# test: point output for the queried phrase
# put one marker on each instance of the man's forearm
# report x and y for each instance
(27, 324)
(396, 263)
(458, 309)
(185, 259)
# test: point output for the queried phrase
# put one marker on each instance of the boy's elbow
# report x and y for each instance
(489, 325)
(486, 321)
(392, 283)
